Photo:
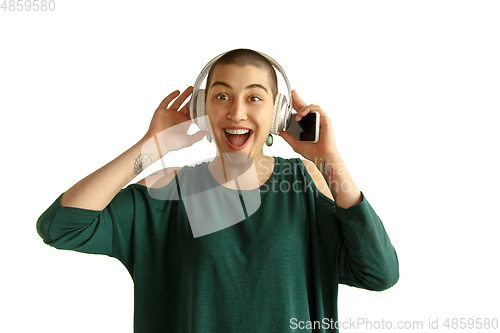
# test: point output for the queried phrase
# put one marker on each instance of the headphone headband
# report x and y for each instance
(204, 73)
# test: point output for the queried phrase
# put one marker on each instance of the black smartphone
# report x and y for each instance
(307, 129)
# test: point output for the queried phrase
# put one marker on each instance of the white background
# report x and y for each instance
(412, 88)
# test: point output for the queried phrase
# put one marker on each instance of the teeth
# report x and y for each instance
(237, 131)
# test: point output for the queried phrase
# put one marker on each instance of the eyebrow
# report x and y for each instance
(255, 85)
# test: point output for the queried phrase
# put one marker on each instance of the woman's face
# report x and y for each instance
(239, 105)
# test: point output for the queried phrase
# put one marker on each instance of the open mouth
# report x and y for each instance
(237, 139)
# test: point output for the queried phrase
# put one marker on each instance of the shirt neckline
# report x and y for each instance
(215, 183)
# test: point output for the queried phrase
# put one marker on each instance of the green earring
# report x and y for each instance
(269, 141)
(209, 138)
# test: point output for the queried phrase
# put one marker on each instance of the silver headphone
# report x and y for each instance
(282, 109)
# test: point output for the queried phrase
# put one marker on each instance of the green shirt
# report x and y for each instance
(278, 267)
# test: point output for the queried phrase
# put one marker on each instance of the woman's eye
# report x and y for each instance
(221, 97)
(255, 98)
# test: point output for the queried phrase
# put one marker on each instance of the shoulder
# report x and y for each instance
(318, 178)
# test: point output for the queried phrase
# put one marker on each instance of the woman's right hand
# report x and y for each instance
(170, 125)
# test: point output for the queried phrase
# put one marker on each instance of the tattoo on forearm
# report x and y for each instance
(142, 162)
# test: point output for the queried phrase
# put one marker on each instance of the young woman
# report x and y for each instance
(243, 243)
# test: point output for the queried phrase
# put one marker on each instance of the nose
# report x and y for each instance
(237, 112)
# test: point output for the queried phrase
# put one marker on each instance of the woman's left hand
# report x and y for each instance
(323, 150)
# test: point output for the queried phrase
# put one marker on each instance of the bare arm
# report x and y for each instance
(325, 152)
(96, 191)
(346, 193)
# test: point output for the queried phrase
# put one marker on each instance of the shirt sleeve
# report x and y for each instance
(351, 244)
(90, 231)
(367, 258)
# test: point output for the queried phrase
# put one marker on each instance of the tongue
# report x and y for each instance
(238, 139)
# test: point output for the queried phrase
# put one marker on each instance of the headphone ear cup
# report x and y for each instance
(200, 110)
(279, 110)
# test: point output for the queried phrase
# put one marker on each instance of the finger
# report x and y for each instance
(290, 139)
(312, 108)
(298, 103)
(295, 106)
(304, 111)
(185, 108)
(178, 102)
(166, 101)
(324, 119)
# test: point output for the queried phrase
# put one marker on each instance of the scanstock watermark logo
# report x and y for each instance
(210, 205)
